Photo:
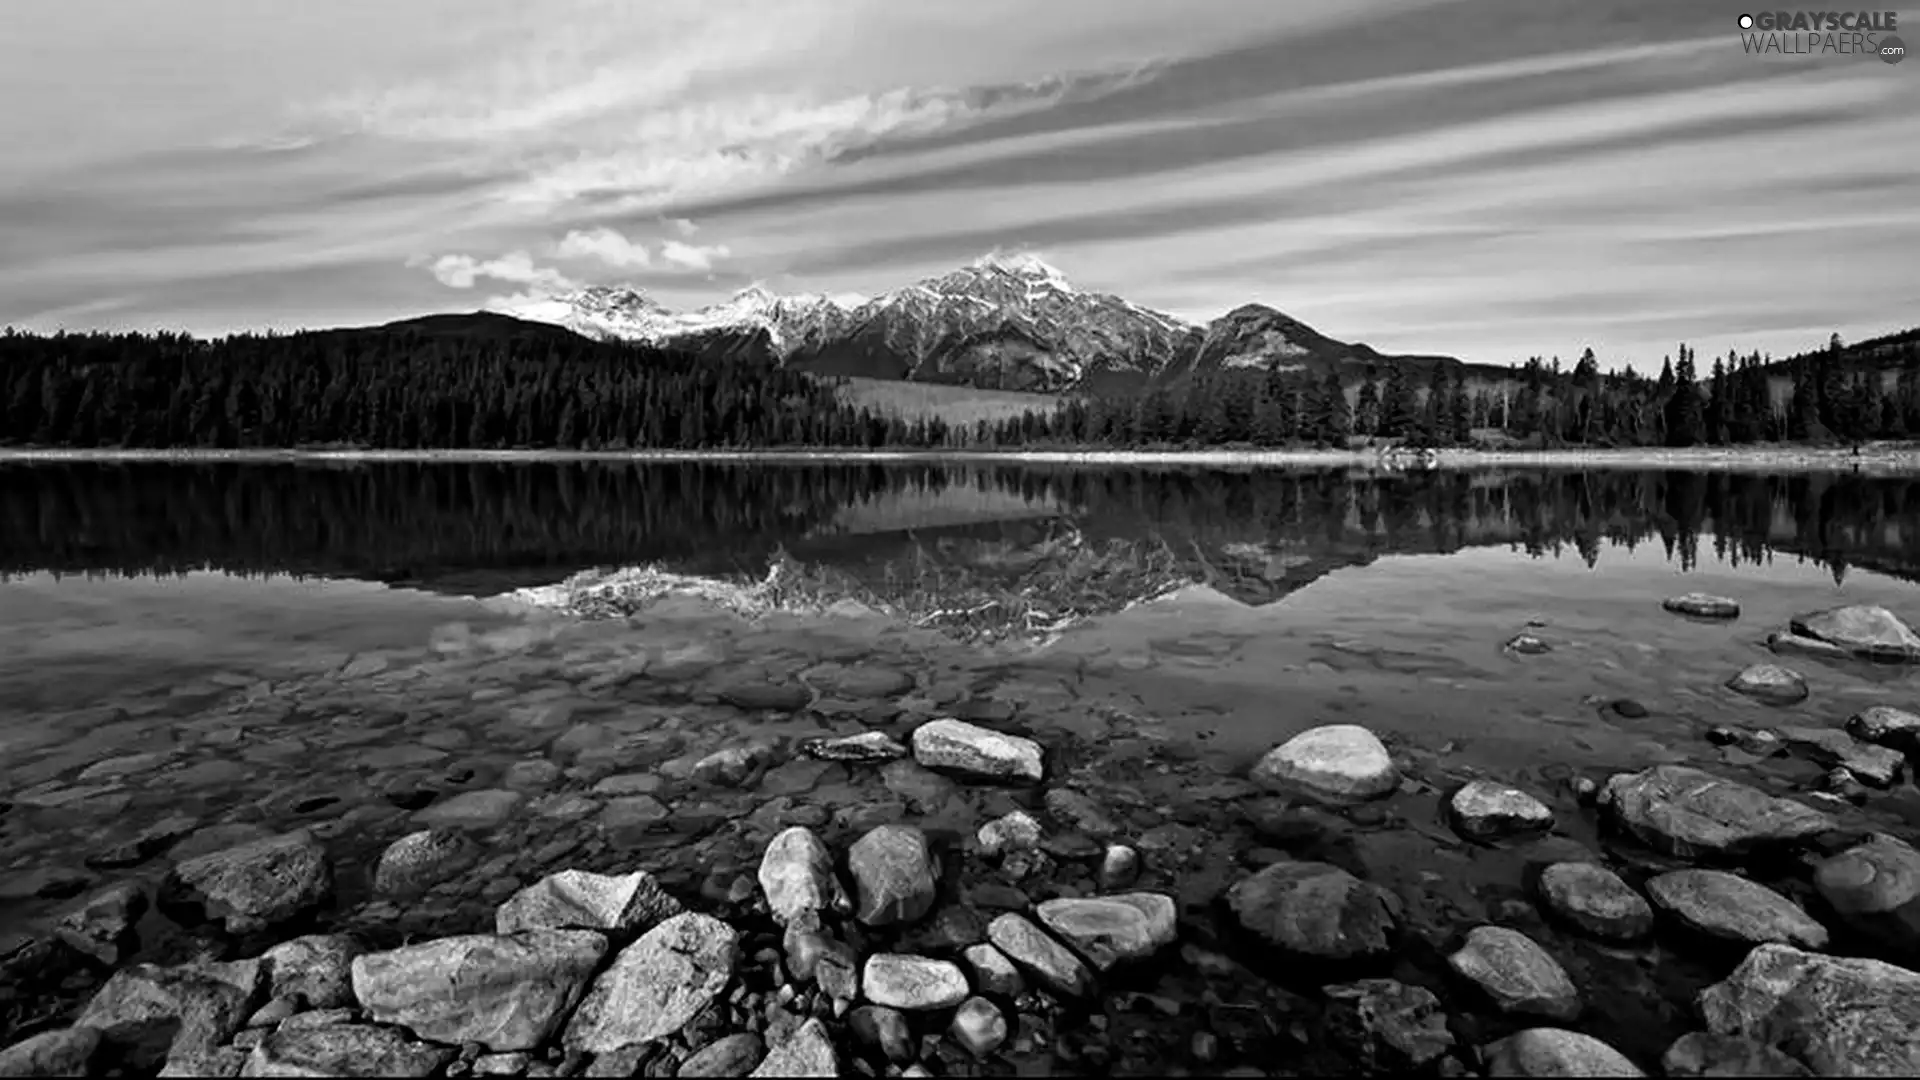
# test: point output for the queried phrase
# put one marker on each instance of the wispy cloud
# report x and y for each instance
(515, 267)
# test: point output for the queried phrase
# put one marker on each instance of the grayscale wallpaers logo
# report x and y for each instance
(1866, 34)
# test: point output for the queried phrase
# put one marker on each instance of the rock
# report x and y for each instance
(883, 1029)
(730, 1055)
(258, 884)
(1702, 1053)
(103, 926)
(1317, 910)
(44, 883)
(1016, 831)
(633, 814)
(532, 774)
(1389, 1026)
(1688, 813)
(969, 749)
(345, 1050)
(505, 992)
(418, 861)
(807, 1052)
(1863, 630)
(1702, 606)
(1783, 642)
(1593, 898)
(1337, 763)
(1528, 645)
(1628, 708)
(1119, 866)
(578, 900)
(1050, 962)
(147, 1012)
(1841, 1016)
(1730, 907)
(317, 968)
(1109, 930)
(477, 810)
(512, 1064)
(893, 875)
(913, 982)
(1484, 810)
(797, 876)
(1516, 973)
(979, 1027)
(1555, 1052)
(1874, 888)
(1884, 725)
(866, 747)
(1770, 684)
(61, 1052)
(220, 1061)
(755, 695)
(1079, 811)
(1876, 765)
(993, 971)
(656, 985)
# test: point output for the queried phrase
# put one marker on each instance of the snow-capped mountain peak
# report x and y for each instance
(1025, 265)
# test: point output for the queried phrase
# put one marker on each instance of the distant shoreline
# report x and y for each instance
(1902, 457)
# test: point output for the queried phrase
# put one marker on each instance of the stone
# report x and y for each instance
(620, 906)
(1770, 684)
(1056, 968)
(1595, 899)
(1528, 645)
(1337, 763)
(807, 1052)
(657, 984)
(914, 983)
(1841, 1016)
(1874, 888)
(864, 748)
(1879, 766)
(1884, 725)
(1863, 630)
(221, 1061)
(1485, 810)
(512, 1064)
(993, 971)
(61, 1052)
(103, 927)
(730, 766)
(972, 750)
(1389, 1026)
(147, 1012)
(44, 883)
(893, 875)
(756, 694)
(885, 1030)
(1702, 1053)
(1555, 1052)
(1110, 930)
(797, 875)
(1080, 812)
(1702, 606)
(259, 884)
(412, 865)
(1015, 831)
(477, 810)
(979, 1027)
(505, 992)
(730, 1055)
(1690, 814)
(1516, 973)
(345, 1050)
(633, 813)
(317, 968)
(1730, 907)
(1119, 866)
(1317, 910)
(532, 774)
(628, 784)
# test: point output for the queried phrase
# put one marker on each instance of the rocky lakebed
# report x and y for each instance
(599, 849)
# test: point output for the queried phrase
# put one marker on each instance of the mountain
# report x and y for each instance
(1008, 323)
(1258, 338)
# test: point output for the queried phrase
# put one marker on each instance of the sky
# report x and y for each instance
(1490, 179)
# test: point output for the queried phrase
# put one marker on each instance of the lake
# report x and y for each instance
(194, 654)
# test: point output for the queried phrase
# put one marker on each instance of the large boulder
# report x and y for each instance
(1727, 906)
(148, 1013)
(1516, 973)
(505, 992)
(1884, 725)
(1842, 1016)
(1863, 630)
(1337, 763)
(1317, 910)
(971, 750)
(1874, 890)
(656, 985)
(1595, 899)
(1689, 813)
(255, 885)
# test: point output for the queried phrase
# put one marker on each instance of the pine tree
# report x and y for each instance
(1685, 414)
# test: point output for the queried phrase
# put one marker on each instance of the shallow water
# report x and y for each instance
(358, 708)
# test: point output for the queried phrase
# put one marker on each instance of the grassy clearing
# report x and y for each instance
(957, 405)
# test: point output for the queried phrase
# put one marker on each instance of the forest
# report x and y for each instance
(495, 383)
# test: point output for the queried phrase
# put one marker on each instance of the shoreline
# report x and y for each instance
(1716, 458)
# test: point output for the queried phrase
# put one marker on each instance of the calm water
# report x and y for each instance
(279, 644)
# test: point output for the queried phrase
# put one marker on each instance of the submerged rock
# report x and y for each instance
(1770, 684)
(1317, 910)
(1730, 907)
(1703, 606)
(1555, 1052)
(1876, 765)
(1516, 973)
(1335, 763)
(1485, 810)
(415, 863)
(1864, 630)
(970, 749)
(1689, 813)
(1596, 900)
(1842, 1016)
(1884, 725)
(868, 746)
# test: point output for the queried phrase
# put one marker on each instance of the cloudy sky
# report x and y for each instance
(1488, 178)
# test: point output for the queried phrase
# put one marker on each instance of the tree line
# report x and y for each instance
(471, 382)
